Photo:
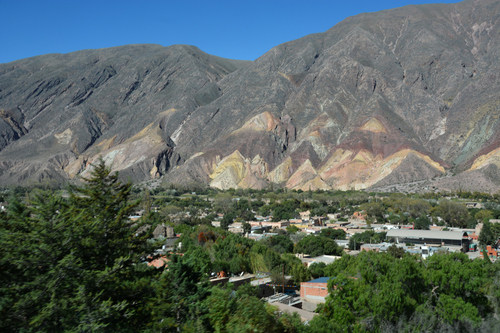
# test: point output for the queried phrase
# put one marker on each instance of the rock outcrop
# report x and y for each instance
(395, 96)
(58, 113)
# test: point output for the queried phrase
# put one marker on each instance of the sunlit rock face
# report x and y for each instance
(381, 98)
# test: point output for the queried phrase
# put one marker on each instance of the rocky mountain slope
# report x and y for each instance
(381, 98)
(58, 112)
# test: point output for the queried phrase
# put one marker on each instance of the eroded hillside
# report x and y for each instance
(396, 96)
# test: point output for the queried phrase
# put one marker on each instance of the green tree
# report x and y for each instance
(354, 244)
(484, 214)
(333, 233)
(318, 245)
(247, 227)
(396, 251)
(227, 219)
(373, 291)
(292, 229)
(300, 273)
(422, 223)
(373, 209)
(368, 236)
(179, 298)
(455, 214)
(317, 269)
(486, 236)
(251, 315)
(75, 264)
(223, 203)
(241, 311)
(279, 243)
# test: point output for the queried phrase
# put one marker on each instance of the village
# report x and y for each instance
(283, 256)
(354, 228)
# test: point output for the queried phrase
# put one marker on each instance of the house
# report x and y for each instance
(358, 216)
(313, 292)
(273, 225)
(490, 251)
(334, 216)
(236, 230)
(308, 261)
(264, 286)
(431, 237)
(337, 224)
(436, 227)
(382, 227)
(264, 229)
(370, 247)
(474, 205)
(305, 215)
(163, 231)
(343, 243)
(159, 262)
(312, 231)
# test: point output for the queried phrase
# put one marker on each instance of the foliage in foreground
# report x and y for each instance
(78, 265)
(375, 292)
(74, 263)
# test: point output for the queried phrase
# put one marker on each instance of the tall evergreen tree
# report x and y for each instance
(486, 236)
(74, 264)
(178, 304)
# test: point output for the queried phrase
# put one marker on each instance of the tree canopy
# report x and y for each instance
(84, 248)
(318, 245)
(374, 291)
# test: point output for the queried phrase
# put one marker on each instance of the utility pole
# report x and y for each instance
(283, 278)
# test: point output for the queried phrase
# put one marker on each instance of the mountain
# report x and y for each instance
(397, 96)
(58, 112)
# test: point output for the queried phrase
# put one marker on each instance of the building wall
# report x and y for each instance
(241, 281)
(491, 252)
(464, 243)
(313, 291)
(265, 290)
(219, 281)
(236, 230)
(272, 224)
(370, 248)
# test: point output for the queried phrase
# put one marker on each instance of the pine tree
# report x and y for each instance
(75, 264)
(180, 294)
(486, 236)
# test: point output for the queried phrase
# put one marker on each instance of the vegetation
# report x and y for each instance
(378, 292)
(490, 233)
(368, 237)
(73, 261)
(317, 246)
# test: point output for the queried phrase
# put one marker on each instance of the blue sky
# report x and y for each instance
(232, 29)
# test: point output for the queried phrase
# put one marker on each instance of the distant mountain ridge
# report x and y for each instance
(397, 96)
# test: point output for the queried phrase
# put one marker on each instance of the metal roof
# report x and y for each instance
(429, 234)
(319, 280)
